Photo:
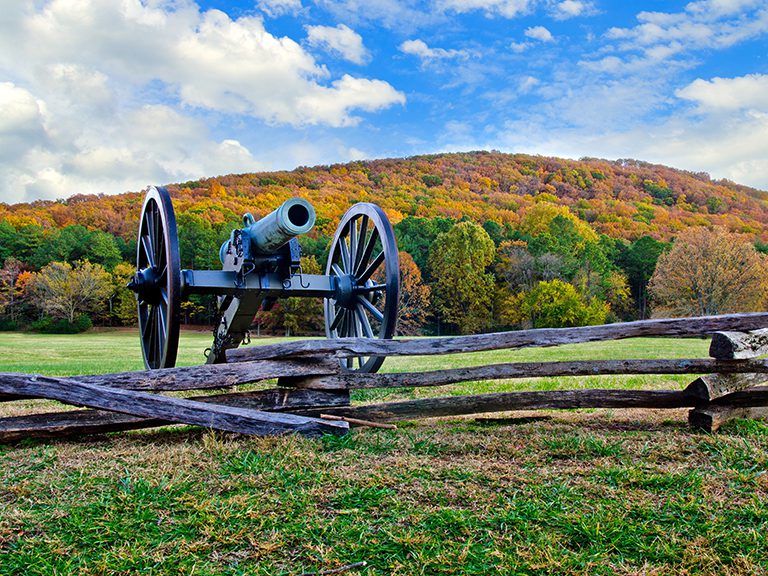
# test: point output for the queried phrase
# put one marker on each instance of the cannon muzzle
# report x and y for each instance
(294, 217)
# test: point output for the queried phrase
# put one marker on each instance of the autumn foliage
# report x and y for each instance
(597, 226)
(710, 272)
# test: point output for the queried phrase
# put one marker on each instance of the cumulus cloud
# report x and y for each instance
(420, 49)
(539, 33)
(393, 14)
(706, 24)
(97, 95)
(341, 40)
(276, 8)
(572, 9)
(504, 8)
(743, 93)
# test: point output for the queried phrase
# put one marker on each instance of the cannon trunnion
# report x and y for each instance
(261, 264)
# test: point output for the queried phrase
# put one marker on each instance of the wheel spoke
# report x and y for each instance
(150, 223)
(158, 337)
(160, 248)
(369, 247)
(367, 330)
(151, 347)
(375, 312)
(371, 268)
(361, 240)
(146, 246)
(161, 320)
(343, 325)
(337, 319)
(336, 270)
(358, 326)
(158, 232)
(352, 244)
(344, 249)
(144, 321)
(350, 323)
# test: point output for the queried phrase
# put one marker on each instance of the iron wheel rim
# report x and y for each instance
(160, 306)
(364, 255)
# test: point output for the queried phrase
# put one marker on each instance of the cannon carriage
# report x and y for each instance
(261, 264)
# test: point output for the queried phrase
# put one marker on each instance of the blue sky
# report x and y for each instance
(112, 95)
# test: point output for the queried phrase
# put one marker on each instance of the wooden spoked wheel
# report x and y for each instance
(364, 261)
(157, 281)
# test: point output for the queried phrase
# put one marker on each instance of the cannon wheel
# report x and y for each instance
(158, 280)
(364, 259)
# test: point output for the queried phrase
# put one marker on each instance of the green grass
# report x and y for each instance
(578, 492)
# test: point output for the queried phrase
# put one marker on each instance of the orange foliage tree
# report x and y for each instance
(709, 272)
(414, 298)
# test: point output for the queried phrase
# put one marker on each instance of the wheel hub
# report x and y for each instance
(146, 284)
(345, 291)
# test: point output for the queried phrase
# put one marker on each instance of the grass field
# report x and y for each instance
(577, 492)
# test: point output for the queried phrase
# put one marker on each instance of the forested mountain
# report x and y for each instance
(544, 241)
(624, 199)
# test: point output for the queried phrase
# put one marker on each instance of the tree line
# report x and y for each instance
(549, 269)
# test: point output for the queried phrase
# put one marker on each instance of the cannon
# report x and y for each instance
(261, 264)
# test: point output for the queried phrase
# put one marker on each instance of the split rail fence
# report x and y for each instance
(311, 387)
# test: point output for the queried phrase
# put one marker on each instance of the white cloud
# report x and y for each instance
(723, 133)
(350, 93)
(572, 9)
(743, 93)
(276, 8)
(707, 24)
(519, 47)
(719, 8)
(539, 33)
(504, 8)
(104, 96)
(210, 60)
(420, 49)
(341, 40)
(393, 14)
(21, 121)
(527, 84)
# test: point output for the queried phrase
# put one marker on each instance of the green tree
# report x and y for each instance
(27, 241)
(296, 315)
(554, 304)
(416, 235)
(7, 240)
(103, 249)
(198, 246)
(638, 260)
(64, 291)
(123, 301)
(462, 289)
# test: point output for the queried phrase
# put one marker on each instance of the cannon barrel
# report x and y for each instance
(294, 217)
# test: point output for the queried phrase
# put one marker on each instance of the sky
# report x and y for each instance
(109, 96)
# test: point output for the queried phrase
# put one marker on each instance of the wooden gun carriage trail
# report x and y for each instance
(261, 264)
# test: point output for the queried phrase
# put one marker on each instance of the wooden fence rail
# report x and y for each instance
(312, 383)
(540, 337)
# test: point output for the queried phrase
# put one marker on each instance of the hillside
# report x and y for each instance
(624, 199)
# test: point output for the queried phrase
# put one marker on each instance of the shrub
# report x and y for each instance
(48, 325)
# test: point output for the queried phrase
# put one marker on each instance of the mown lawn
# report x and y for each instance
(578, 492)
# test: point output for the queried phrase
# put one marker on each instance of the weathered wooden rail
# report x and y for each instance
(311, 383)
